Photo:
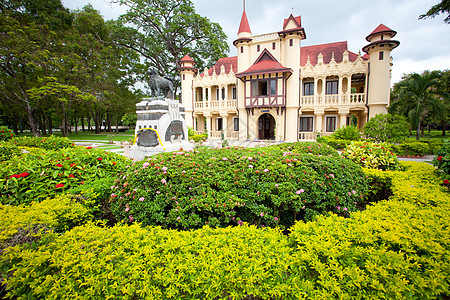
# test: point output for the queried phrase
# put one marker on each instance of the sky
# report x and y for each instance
(424, 44)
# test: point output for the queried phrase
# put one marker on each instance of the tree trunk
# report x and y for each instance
(50, 125)
(41, 121)
(82, 123)
(32, 121)
(117, 123)
(444, 127)
(422, 128)
(418, 132)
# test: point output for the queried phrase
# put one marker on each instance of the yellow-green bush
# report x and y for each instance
(21, 224)
(131, 262)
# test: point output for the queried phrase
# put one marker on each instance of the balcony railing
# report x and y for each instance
(215, 105)
(226, 135)
(337, 99)
(307, 136)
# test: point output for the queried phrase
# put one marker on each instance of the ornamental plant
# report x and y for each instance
(348, 133)
(371, 155)
(307, 148)
(442, 162)
(6, 133)
(387, 127)
(221, 187)
(43, 173)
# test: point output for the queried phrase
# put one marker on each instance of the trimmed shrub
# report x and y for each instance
(380, 183)
(332, 142)
(130, 262)
(49, 143)
(371, 155)
(387, 127)
(220, 187)
(6, 133)
(41, 173)
(24, 224)
(411, 148)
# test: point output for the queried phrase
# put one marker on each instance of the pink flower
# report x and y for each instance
(262, 214)
(345, 208)
(163, 181)
(145, 165)
(250, 158)
(158, 192)
(266, 170)
(276, 185)
(131, 218)
(164, 169)
(224, 158)
(178, 218)
(141, 199)
(338, 207)
(299, 191)
(127, 208)
(331, 175)
(250, 166)
(276, 219)
(240, 223)
(353, 192)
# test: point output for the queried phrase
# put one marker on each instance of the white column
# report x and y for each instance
(343, 119)
(225, 125)
(319, 122)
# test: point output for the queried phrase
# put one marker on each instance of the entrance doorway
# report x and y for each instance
(266, 126)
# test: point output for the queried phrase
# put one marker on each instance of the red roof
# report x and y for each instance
(265, 63)
(327, 51)
(186, 58)
(228, 62)
(244, 27)
(297, 20)
(381, 29)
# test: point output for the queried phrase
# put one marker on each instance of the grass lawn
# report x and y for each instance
(433, 134)
(88, 136)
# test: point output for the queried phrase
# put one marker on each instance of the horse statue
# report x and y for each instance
(160, 86)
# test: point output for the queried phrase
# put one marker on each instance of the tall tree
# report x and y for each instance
(442, 7)
(417, 98)
(163, 31)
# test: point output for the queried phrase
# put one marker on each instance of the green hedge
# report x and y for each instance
(220, 187)
(49, 143)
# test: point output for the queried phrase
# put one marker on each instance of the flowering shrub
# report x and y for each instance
(333, 142)
(49, 143)
(307, 147)
(8, 150)
(221, 187)
(371, 155)
(442, 161)
(5, 133)
(45, 173)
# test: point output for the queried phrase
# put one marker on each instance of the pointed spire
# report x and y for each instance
(332, 56)
(244, 27)
(307, 60)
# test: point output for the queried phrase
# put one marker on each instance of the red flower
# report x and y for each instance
(59, 185)
(446, 182)
(24, 174)
(88, 147)
(72, 165)
(439, 158)
(71, 176)
(99, 158)
(14, 176)
(114, 163)
(59, 165)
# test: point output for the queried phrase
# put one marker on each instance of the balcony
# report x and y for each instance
(264, 101)
(352, 100)
(217, 135)
(208, 106)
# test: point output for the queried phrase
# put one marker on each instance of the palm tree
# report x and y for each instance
(418, 96)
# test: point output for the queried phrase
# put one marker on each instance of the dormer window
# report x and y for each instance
(382, 37)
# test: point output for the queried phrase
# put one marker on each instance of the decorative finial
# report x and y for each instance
(244, 5)
(292, 11)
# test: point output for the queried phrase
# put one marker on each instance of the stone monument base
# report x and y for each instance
(139, 152)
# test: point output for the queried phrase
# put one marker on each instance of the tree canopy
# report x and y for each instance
(441, 8)
(164, 31)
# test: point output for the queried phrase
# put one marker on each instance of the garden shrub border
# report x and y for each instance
(397, 248)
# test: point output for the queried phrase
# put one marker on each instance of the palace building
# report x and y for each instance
(275, 89)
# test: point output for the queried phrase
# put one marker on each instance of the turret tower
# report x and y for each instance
(187, 72)
(379, 83)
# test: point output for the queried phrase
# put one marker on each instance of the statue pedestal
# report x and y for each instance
(160, 127)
